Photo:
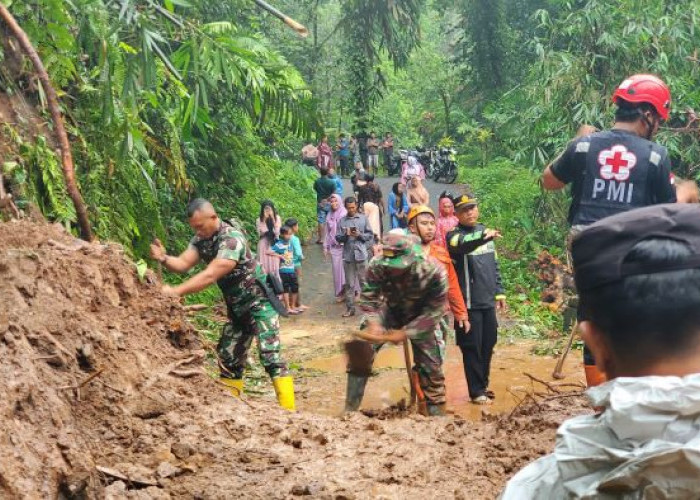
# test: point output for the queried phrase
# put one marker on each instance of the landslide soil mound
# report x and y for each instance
(104, 394)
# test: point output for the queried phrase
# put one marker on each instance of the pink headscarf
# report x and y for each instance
(446, 222)
(332, 221)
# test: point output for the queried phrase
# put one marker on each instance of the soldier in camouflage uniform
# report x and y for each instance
(404, 297)
(231, 265)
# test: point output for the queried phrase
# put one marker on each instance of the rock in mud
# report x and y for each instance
(181, 450)
(166, 469)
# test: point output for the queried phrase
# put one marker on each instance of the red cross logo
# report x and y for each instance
(616, 163)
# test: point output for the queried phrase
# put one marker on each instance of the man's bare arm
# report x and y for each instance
(181, 264)
(550, 181)
(217, 269)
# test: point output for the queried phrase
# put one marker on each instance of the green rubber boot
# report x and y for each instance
(355, 392)
(436, 410)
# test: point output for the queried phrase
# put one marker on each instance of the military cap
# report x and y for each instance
(400, 251)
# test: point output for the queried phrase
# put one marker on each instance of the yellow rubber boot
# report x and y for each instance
(284, 388)
(234, 385)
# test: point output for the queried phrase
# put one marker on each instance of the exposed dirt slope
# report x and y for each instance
(148, 425)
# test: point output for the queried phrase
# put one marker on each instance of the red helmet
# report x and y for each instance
(645, 88)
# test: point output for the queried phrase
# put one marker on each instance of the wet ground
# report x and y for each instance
(314, 339)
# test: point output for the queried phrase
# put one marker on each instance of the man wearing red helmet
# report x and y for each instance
(618, 169)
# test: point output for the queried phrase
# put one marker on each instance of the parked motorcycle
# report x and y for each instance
(445, 166)
(397, 163)
(427, 158)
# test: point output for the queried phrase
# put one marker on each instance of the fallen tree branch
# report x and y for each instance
(172, 367)
(578, 385)
(105, 384)
(123, 477)
(84, 382)
(565, 395)
(186, 373)
(195, 307)
(59, 128)
(56, 343)
(543, 382)
(527, 396)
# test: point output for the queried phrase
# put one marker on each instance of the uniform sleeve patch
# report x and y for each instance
(655, 158)
(583, 146)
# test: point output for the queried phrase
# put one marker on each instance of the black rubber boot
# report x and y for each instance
(436, 410)
(355, 392)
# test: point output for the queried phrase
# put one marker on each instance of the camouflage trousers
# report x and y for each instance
(260, 321)
(428, 356)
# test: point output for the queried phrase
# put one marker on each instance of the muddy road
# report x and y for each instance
(313, 343)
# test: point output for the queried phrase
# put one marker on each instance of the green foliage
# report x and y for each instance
(511, 201)
(163, 100)
(44, 181)
(583, 53)
(485, 28)
(373, 28)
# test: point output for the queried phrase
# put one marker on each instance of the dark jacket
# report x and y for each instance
(474, 259)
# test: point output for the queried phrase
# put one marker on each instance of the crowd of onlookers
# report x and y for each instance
(359, 150)
(350, 225)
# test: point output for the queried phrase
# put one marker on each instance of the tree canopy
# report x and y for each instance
(168, 99)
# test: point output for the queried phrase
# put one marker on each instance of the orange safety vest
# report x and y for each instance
(454, 293)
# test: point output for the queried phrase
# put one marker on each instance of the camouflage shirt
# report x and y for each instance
(240, 287)
(415, 300)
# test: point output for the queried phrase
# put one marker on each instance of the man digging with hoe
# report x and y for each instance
(404, 298)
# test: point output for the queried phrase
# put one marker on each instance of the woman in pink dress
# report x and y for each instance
(332, 247)
(447, 220)
(269, 225)
(325, 154)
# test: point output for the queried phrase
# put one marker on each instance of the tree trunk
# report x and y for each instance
(52, 101)
(447, 104)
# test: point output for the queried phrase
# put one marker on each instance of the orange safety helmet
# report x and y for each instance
(645, 88)
(416, 210)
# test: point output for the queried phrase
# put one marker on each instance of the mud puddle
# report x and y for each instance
(390, 384)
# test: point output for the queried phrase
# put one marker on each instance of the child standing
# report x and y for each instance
(283, 250)
(298, 254)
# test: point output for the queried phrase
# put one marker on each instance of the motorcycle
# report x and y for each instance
(427, 158)
(445, 166)
(397, 163)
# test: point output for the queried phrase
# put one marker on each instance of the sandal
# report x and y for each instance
(490, 394)
(292, 312)
(348, 313)
(482, 400)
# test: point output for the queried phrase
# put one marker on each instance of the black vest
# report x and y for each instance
(617, 170)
